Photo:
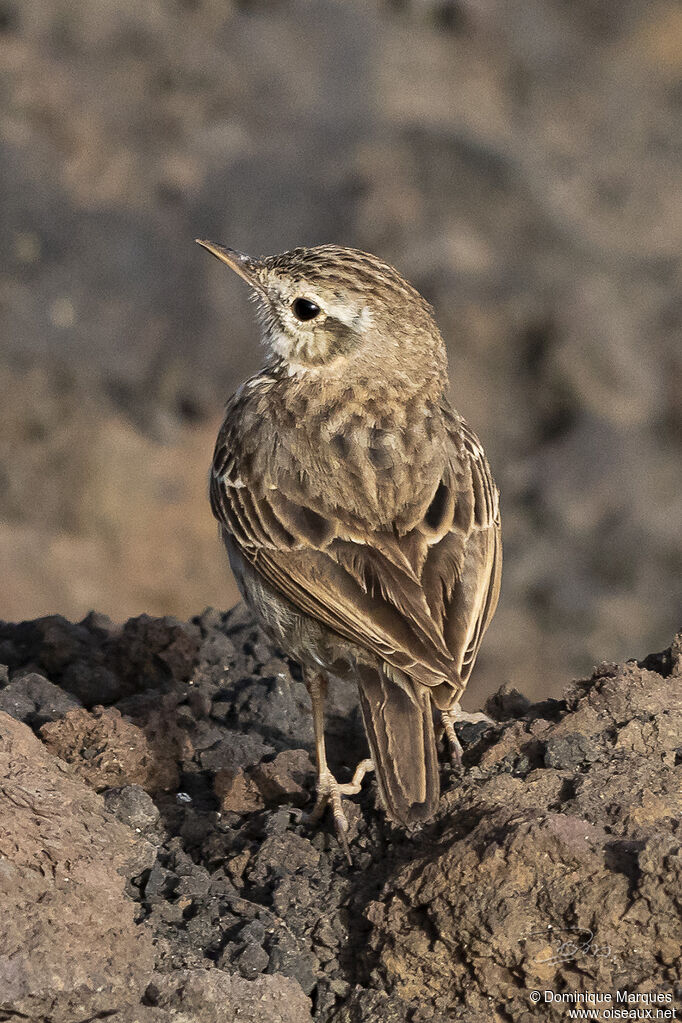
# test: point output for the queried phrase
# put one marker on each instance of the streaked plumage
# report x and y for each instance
(357, 507)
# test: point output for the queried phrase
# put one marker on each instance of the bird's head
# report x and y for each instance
(332, 309)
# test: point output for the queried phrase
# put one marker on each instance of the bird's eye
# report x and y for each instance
(304, 309)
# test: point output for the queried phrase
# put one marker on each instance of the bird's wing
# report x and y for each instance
(461, 575)
(421, 600)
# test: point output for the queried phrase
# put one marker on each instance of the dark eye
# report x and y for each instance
(304, 309)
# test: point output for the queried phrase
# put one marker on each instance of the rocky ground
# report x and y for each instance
(154, 863)
(518, 161)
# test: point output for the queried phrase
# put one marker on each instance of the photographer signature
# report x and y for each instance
(567, 948)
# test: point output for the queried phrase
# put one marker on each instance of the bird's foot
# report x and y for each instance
(331, 792)
(352, 787)
(449, 718)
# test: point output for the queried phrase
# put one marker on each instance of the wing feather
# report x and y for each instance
(420, 600)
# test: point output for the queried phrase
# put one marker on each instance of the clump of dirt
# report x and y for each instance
(67, 924)
(174, 765)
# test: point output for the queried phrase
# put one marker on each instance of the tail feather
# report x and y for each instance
(399, 725)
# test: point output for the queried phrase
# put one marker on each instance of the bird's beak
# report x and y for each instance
(245, 266)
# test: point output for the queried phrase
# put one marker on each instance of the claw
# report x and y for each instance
(449, 717)
(329, 791)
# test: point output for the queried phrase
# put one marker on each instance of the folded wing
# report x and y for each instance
(421, 600)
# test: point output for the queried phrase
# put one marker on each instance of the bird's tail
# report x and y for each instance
(399, 724)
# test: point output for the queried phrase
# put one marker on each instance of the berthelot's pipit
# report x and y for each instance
(358, 509)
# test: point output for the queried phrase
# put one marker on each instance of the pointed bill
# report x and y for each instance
(244, 265)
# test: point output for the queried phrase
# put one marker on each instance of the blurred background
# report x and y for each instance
(515, 159)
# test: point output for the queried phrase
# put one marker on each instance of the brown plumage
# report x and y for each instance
(357, 507)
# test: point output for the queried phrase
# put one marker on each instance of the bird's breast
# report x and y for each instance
(353, 449)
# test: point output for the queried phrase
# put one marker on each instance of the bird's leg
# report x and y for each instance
(328, 789)
(453, 741)
(449, 717)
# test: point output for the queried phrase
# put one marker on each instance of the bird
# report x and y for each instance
(359, 512)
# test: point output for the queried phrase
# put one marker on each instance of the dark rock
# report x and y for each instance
(288, 778)
(234, 750)
(195, 885)
(132, 806)
(222, 707)
(92, 683)
(277, 707)
(253, 932)
(571, 750)
(59, 643)
(211, 620)
(253, 960)
(217, 649)
(281, 855)
(200, 703)
(34, 700)
(205, 734)
(507, 703)
(16, 702)
(289, 961)
(153, 653)
(325, 934)
(160, 883)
